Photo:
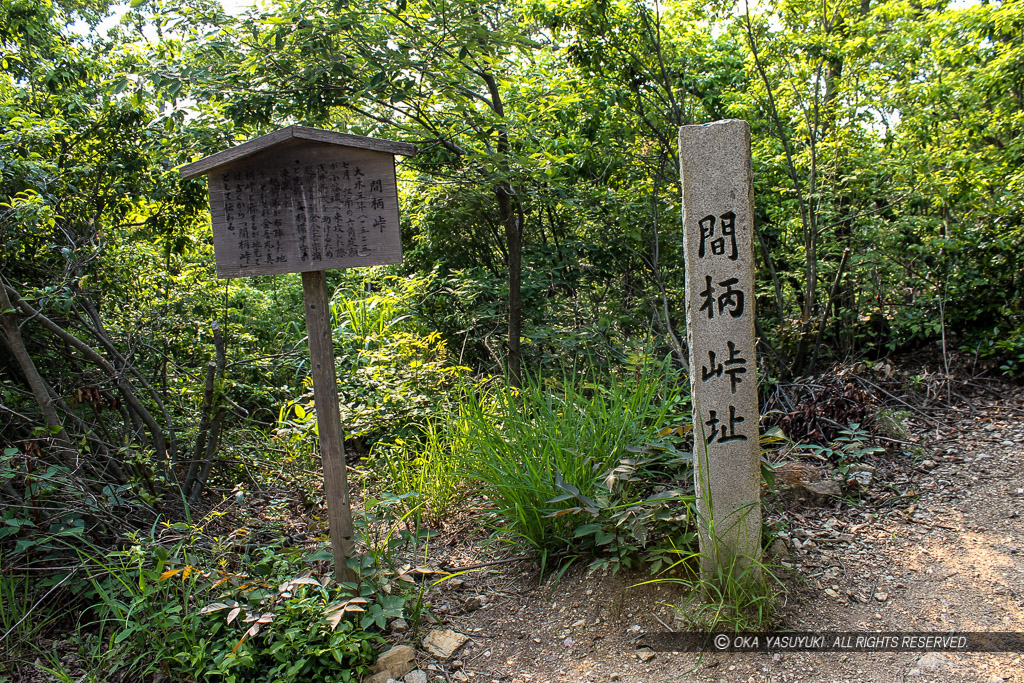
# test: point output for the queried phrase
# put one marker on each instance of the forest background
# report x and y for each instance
(538, 313)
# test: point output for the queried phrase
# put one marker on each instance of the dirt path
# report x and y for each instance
(938, 547)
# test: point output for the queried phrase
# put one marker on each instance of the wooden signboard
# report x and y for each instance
(718, 220)
(303, 200)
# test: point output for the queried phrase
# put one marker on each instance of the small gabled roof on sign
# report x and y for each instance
(207, 164)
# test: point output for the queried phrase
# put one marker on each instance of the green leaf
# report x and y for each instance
(24, 544)
(319, 556)
(559, 499)
(587, 529)
(18, 522)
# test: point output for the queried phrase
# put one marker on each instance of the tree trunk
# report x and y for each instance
(159, 440)
(40, 391)
(511, 219)
(210, 422)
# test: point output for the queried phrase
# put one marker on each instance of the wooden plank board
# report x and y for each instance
(303, 206)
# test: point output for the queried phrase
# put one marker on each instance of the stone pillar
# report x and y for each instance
(718, 221)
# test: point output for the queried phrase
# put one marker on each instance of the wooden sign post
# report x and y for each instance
(718, 215)
(303, 200)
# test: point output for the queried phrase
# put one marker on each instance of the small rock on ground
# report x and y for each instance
(394, 663)
(443, 643)
(930, 661)
(416, 676)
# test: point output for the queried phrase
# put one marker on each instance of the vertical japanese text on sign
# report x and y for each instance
(305, 206)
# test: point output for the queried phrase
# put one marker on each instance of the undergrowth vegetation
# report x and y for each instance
(742, 595)
(591, 463)
(157, 609)
(185, 602)
(576, 463)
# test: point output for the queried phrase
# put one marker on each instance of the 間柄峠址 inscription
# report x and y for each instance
(305, 206)
(721, 296)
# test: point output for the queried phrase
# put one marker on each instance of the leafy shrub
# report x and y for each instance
(422, 465)
(392, 371)
(299, 631)
(536, 451)
(642, 499)
(851, 446)
(161, 610)
(1004, 347)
